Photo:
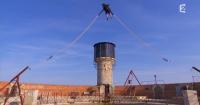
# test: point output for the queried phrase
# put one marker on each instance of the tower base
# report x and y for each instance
(106, 90)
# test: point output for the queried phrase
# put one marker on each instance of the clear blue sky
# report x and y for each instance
(31, 30)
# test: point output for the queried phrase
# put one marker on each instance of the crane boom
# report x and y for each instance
(196, 69)
(21, 72)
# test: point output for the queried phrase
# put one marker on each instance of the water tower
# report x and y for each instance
(104, 57)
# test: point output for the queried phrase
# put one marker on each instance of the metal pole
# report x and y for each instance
(20, 95)
(155, 79)
(13, 79)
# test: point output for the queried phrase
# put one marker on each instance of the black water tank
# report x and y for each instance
(104, 49)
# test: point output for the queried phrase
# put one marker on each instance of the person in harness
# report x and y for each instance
(107, 10)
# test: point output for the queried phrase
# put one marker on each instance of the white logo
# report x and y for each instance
(182, 8)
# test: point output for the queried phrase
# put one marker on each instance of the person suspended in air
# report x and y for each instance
(107, 11)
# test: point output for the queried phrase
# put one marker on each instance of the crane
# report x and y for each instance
(128, 83)
(15, 86)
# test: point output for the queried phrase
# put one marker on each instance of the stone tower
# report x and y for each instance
(104, 57)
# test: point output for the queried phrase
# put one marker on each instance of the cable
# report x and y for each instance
(75, 40)
(141, 41)
(68, 46)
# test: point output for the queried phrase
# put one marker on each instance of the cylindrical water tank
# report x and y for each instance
(104, 49)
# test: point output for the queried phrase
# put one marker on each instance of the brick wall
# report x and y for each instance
(169, 90)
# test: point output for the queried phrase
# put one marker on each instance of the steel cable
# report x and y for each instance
(141, 41)
(68, 46)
